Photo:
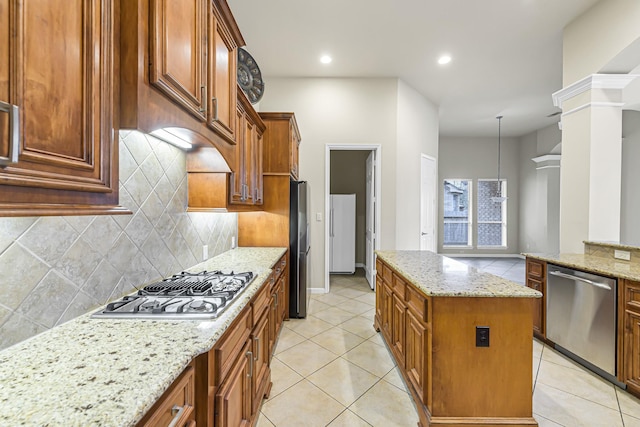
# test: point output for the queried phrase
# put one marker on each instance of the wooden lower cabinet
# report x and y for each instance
(233, 397)
(630, 335)
(176, 405)
(536, 276)
(451, 380)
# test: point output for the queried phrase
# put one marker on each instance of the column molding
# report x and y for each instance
(547, 161)
(593, 81)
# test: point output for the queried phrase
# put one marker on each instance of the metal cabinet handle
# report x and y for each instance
(14, 133)
(580, 279)
(176, 412)
(214, 102)
(257, 340)
(203, 93)
(250, 357)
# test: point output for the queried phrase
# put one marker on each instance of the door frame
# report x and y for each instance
(435, 195)
(377, 148)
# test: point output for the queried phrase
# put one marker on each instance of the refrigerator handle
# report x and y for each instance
(331, 223)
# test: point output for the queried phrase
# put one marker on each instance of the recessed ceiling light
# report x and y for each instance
(444, 59)
(325, 59)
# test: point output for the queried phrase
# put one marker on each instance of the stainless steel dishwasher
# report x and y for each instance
(581, 318)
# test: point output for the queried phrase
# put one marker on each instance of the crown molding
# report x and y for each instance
(594, 81)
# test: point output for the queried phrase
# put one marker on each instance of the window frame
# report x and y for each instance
(503, 192)
(470, 218)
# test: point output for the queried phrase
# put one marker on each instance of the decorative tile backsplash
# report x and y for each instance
(57, 268)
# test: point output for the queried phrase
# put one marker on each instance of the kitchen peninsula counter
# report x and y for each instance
(462, 339)
(110, 372)
(593, 264)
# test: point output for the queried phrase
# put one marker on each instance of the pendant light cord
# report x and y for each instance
(499, 129)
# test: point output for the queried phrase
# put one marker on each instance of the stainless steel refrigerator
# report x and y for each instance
(299, 246)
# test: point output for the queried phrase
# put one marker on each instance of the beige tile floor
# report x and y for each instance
(332, 369)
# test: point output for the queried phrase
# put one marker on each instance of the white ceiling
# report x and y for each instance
(507, 54)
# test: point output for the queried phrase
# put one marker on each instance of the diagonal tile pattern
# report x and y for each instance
(331, 373)
(57, 268)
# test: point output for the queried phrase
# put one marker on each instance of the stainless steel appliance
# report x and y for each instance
(581, 318)
(187, 296)
(299, 249)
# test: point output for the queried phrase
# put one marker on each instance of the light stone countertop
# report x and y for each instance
(437, 275)
(592, 263)
(109, 372)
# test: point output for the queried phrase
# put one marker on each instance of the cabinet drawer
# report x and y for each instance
(378, 267)
(229, 346)
(261, 301)
(399, 286)
(418, 304)
(535, 268)
(176, 404)
(534, 284)
(280, 266)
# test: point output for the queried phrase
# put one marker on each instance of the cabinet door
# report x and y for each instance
(387, 311)
(379, 299)
(236, 190)
(293, 147)
(537, 313)
(398, 329)
(258, 187)
(249, 161)
(233, 398)
(222, 78)
(56, 67)
(632, 350)
(261, 355)
(178, 47)
(281, 301)
(417, 355)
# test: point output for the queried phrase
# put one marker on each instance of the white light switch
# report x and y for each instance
(318, 216)
(205, 252)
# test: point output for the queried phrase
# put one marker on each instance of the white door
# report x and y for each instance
(370, 234)
(343, 233)
(428, 192)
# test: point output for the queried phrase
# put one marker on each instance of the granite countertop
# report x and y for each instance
(437, 275)
(109, 372)
(594, 264)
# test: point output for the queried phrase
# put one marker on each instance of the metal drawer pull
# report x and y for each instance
(257, 339)
(580, 279)
(250, 357)
(14, 133)
(176, 412)
(203, 93)
(214, 102)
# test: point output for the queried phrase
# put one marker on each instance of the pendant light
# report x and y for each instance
(498, 198)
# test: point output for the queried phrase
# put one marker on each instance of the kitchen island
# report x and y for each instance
(462, 339)
(110, 372)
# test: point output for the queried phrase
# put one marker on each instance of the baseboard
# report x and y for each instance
(317, 290)
(360, 265)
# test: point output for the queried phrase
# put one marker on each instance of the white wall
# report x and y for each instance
(630, 206)
(596, 37)
(417, 134)
(477, 158)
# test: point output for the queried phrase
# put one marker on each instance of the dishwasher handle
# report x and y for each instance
(580, 279)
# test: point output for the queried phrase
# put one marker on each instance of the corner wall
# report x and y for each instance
(630, 203)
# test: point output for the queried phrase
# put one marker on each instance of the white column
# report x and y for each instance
(590, 173)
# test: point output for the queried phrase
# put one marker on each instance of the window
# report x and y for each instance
(457, 212)
(492, 215)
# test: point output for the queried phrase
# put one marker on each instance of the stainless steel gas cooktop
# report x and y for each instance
(185, 296)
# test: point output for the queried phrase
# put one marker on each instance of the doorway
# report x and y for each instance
(428, 197)
(356, 170)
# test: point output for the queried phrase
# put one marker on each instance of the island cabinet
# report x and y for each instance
(630, 335)
(58, 108)
(536, 276)
(433, 339)
(178, 70)
(176, 406)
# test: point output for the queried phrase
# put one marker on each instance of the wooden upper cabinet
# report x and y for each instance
(282, 140)
(178, 49)
(57, 78)
(223, 56)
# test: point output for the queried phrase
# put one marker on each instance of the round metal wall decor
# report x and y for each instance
(249, 77)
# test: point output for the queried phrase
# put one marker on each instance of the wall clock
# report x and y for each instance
(249, 77)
